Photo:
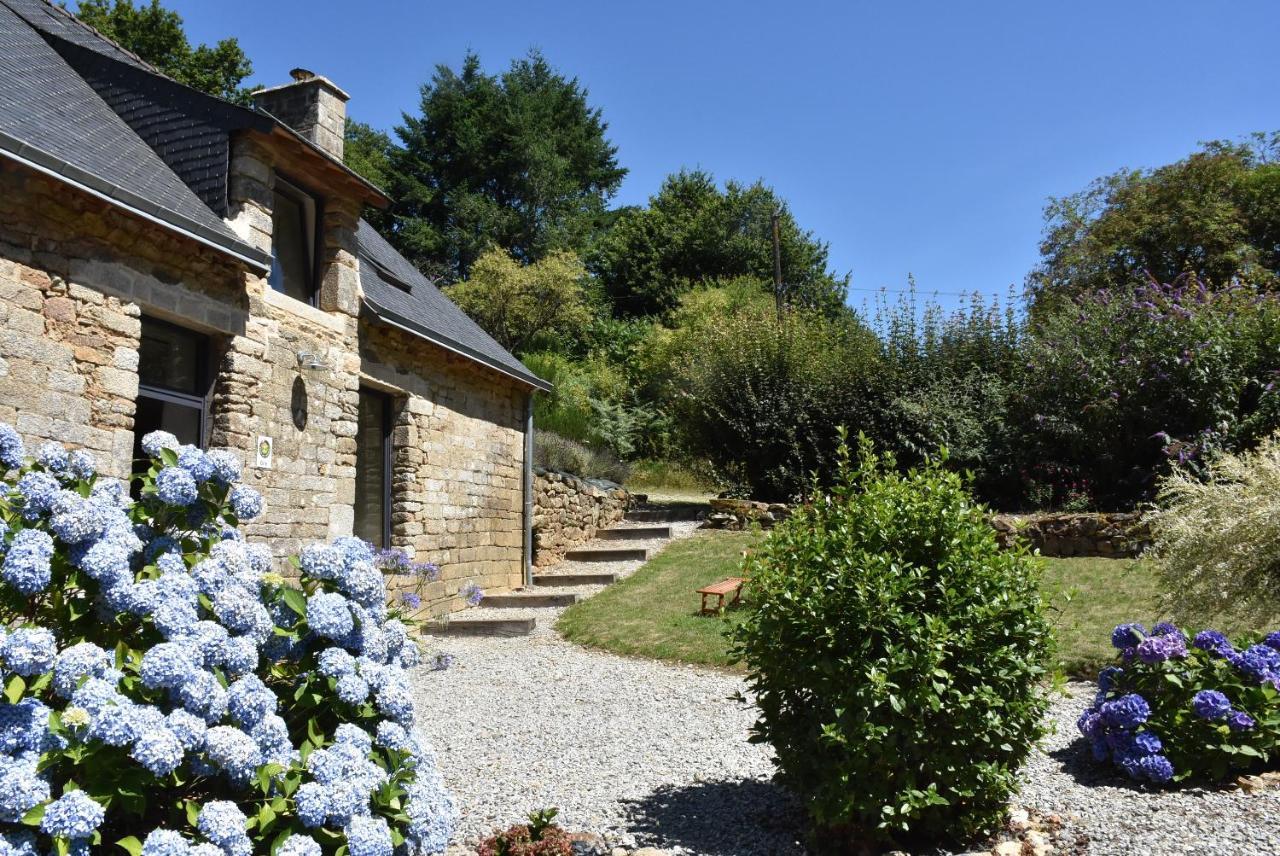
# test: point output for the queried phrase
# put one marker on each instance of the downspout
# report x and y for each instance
(528, 490)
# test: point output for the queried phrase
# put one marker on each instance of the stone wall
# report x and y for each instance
(568, 510)
(1113, 535)
(77, 276)
(739, 514)
(457, 474)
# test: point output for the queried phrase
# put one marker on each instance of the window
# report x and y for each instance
(173, 381)
(373, 468)
(293, 242)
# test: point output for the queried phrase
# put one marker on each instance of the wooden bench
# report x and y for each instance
(726, 586)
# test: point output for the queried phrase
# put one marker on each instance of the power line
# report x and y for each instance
(924, 291)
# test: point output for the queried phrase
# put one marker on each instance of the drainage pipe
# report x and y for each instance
(528, 490)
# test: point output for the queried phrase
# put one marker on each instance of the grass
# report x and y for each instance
(667, 481)
(654, 612)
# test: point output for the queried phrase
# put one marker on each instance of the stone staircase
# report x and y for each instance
(616, 552)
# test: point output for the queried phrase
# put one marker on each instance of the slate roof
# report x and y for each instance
(53, 120)
(397, 293)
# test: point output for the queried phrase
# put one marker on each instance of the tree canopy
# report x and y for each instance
(1215, 214)
(156, 35)
(693, 233)
(518, 160)
(520, 304)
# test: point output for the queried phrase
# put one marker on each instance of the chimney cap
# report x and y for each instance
(301, 77)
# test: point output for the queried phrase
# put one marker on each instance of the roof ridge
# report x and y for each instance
(57, 9)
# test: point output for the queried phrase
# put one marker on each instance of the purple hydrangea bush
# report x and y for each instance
(165, 692)
(1176, 708)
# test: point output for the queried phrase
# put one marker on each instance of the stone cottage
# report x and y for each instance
(172, 260)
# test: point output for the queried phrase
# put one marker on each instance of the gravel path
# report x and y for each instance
(653, 754)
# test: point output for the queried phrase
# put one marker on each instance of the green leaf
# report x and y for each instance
(131, 844)
(35, 815)
(295, 600)
(14, 689)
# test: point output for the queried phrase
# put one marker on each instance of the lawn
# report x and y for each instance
(654, 613)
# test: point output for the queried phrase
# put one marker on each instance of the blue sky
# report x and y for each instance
(913, 137)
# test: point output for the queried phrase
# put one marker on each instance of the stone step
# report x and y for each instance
(481, 627)
(673, 513)
(608, 554)
(528, 599)
(633, 533)
(574, 579)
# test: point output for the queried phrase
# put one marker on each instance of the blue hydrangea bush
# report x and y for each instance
(165, 692)
(1176, 708)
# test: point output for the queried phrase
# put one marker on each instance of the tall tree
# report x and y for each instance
(522, 305)
(369, 152)
(1215, 214)
(694, 233)
(518, 160)
(156, 35)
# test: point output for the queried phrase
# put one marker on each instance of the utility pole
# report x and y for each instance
(777, 264)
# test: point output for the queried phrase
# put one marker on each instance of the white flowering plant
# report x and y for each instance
(165, 692)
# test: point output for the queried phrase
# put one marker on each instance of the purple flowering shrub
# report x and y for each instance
(1119, 385)
(1174, 708)
(165, 692)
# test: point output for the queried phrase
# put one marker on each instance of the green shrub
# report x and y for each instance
(541, 836)
(895, 652)
(1170, 712)
(760, 400)
(1217, 539)
(553, 452)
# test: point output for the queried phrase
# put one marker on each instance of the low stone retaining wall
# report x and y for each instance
(567, 511)
(1112, 535)
(738, 514)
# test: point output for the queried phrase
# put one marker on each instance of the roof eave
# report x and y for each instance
(120, 197)
(394, 319)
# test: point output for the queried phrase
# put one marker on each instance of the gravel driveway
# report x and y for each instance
(646, 753)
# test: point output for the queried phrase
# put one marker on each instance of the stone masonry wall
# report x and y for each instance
(458, 473)
(77, 276)
(74, 276)
(261, 389)
(1115, 535)
(568, 510)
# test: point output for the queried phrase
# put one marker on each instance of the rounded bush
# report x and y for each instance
(1174, 709)
(165, 692)
(895, 653)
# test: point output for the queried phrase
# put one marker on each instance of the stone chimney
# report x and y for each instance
(312, 105)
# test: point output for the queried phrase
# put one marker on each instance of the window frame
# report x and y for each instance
(198, 401)
(312, 206)
(386, 402)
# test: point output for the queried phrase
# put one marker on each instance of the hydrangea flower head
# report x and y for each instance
(26, 565)
(165, 842)
(226, 465)
(1259, 662)
(1156, 768)
(52, 456)
(1213, 642)
(1128, 711)
(246, 502)
(1210, 704)
(153, 443)
(175, 486)
(368, 836)
(12, 451)
(81, 464)
(222, 823)
(1241, 721)
(328, 615)
(38, 491)
(195, 462)
(1162, 647)
(74, 815)
(29, 651)
(1127, 635)
(159, 750)
(299, 845)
